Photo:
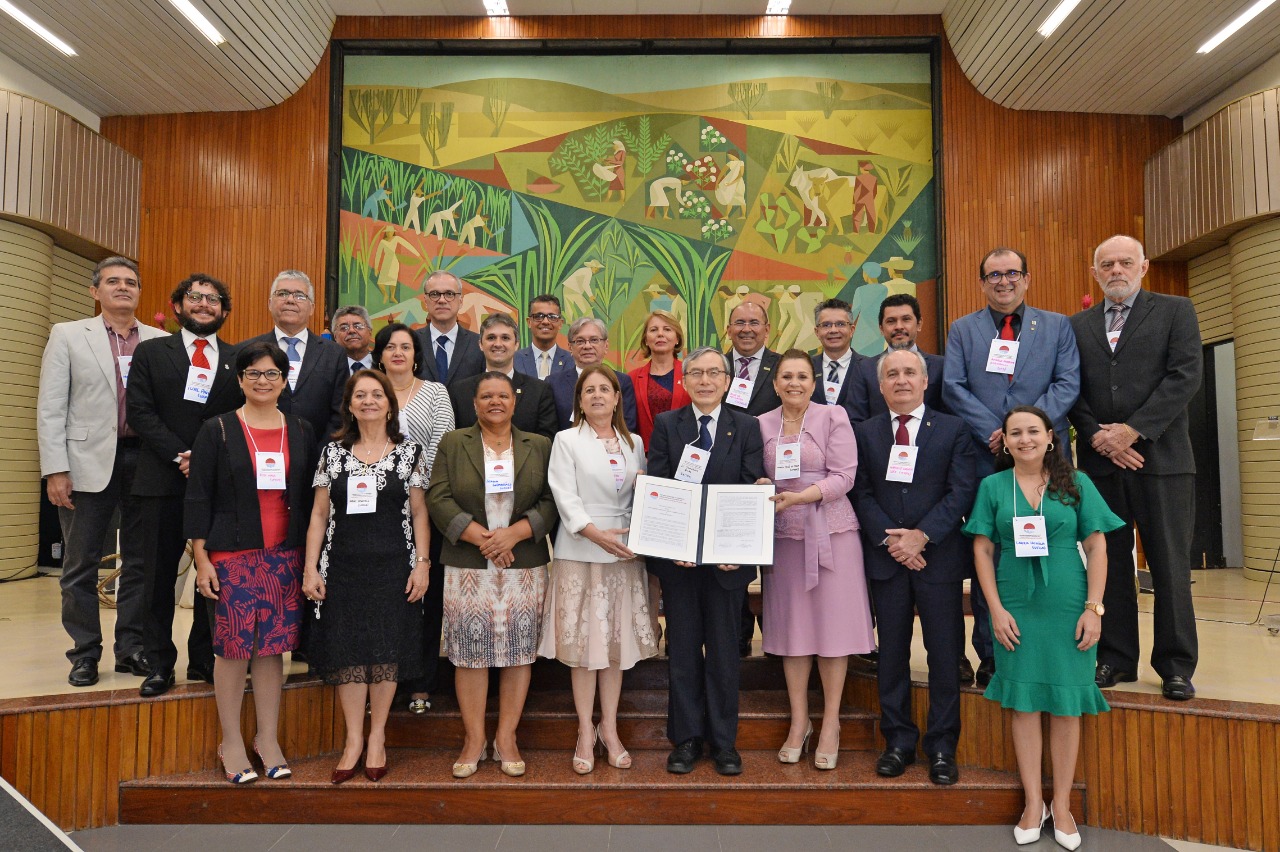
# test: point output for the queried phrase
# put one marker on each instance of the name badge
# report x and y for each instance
(499, 477)
(902, 463)
(740, 392)
(270, 467)
(693, 464)
(1029, 537)
(1003, 357)
(786, 462)
(294, 367)
(1113, 337)
(832, 392)
(199, 383)
(126, 361)
(362, 495)
(618, 467)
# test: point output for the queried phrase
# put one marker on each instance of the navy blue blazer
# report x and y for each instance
(763, 396)
(465, 361)
(865, 399)
(535, 410)
(525, 363)
(935, 502)
(563, 383)
(737, 458)
(846, 384)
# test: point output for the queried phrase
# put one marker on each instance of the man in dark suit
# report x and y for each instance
(317, 367)
(836, 366)
(1140, 365)
(450, 353)
(588, 341)
(900, 325)
(703, 602)
(535, 409)
(543, 358)
(914, 554)
(175, 384)
(353, 331)
(751, 363)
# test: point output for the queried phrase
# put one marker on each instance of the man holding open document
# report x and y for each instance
(705, 443)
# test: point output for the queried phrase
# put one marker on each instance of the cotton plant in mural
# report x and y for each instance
(694, 183)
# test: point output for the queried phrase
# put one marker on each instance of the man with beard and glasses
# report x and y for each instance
(900, 326)
(175, 384)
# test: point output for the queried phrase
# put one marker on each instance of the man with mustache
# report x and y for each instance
(175, 384)
(900, 326)
(353, 330)
(1140, 365)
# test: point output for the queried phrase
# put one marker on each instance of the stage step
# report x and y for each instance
(420, 789)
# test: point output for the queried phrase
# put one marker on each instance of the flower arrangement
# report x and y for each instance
(1086, 301)
(168, 323)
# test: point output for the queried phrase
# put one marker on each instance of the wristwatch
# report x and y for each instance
(1097, 607)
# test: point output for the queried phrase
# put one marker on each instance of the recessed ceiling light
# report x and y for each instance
(496, 8)
(199, 21)
(1230, 29)
(31, 24)
(1057, 16)
(778, 7)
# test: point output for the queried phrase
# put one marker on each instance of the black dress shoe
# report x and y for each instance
(1174, 688)
(943, 769)
(986, 671)
(728, 761)
(199, 673)
(1108, 676)
(157, 682)
(966, 671)
(894, 761)
(871, 659)
(84, 672)
(134, 664)
(684, 756)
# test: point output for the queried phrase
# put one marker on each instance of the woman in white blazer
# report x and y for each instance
(596, 615)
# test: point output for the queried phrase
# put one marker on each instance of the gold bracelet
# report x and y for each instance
(426, 559)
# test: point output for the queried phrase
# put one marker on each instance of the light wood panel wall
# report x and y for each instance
(242, 195)
(69, 297)
(69, 756)
(1209, 283)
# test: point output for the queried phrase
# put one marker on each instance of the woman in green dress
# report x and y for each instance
(1046, 614)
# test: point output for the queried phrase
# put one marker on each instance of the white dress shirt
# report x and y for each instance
(913, 425)
(753, 368)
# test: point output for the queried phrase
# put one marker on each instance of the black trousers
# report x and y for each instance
(163, 545)
(84, 529)
(1163, 508)
(941, 611)
(432, 623)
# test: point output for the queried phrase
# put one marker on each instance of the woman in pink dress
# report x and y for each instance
(815, 593)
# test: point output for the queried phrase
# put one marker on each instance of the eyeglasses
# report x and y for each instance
(355, 326)
(713, 373)
(269, 375)
(545, 317)
(588, 341)
(292, 295)
(1013, 276)
(442, 295)
(194, 298)
(827, 326)
(751, 323)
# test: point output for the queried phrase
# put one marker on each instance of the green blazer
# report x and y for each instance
(456, 496)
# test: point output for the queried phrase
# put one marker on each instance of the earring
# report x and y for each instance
(1006, 450)
(1050, 447)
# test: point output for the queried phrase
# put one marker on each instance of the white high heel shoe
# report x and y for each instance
(1023, 836)
(1069, 842)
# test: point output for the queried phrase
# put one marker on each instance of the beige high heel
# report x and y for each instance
(622, 761)
(793, 755)
(466, 770)
(826, 761)
(584, 765)
(511, 768)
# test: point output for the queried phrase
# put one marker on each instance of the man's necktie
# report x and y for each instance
(544, 365)
(356, 366)
(704, 432)
(833, 373)
(292, 350)
(902, 436)
(744, 366)
(1117, 323)
(442, 359)
(1006, 333)
(199, 359)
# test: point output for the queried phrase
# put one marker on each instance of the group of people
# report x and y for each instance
(373, 501)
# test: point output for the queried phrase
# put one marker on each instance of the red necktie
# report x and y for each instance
(902, 436)
(1006, 333)
(199, 359)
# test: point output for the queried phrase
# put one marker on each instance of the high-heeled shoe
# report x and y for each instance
(244, 776)
(466, 770)
(622, 761)
(792, 755)
(1023, 836)
(826, 761)
(584, 765)
(1069, 842)
(275, 773)
(375, 773)
(342, 776)
(511, 768)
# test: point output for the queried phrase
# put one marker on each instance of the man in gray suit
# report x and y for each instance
(1004, 355)
(88, 455)
(1140, 365)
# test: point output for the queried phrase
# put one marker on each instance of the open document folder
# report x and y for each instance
(704, 524)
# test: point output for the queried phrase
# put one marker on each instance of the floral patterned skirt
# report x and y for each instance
(259, 606)
(493, 616)
(597, 614)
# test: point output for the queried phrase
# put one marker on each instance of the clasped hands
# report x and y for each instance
(497, 546)
(1115, 441)
(907, 546)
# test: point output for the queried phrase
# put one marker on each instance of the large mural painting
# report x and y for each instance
(623, 184)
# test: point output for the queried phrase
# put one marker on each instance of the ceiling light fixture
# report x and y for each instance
(31, 24)
(1230, 29)
(1057, 16)
(496, 9)
(199, 21)
(778, 7)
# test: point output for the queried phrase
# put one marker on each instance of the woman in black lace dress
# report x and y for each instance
(367, 567)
